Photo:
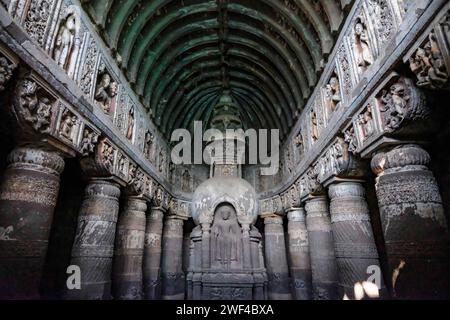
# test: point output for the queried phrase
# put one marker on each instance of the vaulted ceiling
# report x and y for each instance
(180, 55)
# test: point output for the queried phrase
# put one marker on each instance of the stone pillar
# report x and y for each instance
(354, 243)
(94, 240)
(321, 248)
(299, 261)
(173, 277)
(413, 221)
(152, 254)
(28, 196)
(276, 259)
(129, 250)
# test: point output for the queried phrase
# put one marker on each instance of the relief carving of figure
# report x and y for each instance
(68, 122)
(106, 91)
(333, 93)
(130, 124)
(428, 65)
(298, 142)
(365, 121)
(148, 145)
(36, 109)
(314, 126)
(349, 138)
(89, 142)
(65, 42)
(364, 57)
(225, 236)
(186, 181)
(394, 105)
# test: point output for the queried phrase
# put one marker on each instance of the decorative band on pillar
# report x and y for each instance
(354, 243)
(152, 254)
(28, 196)
(276, 259)
(413, 221)
(299, 261)
(94, 240)
(321, 248)
(129, 250)
(173, 277)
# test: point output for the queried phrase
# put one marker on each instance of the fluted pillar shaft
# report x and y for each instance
(93, 246)
(173, 278)
(152, 254)
(299, 262)
(321, 248)
(28, 195)
(276, 259)
(413, 221)
(129, 250)
(354, 243)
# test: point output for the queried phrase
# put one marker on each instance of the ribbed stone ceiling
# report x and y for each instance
(181, 55)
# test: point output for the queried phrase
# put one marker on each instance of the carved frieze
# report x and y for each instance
(34, 106)
(430, 62)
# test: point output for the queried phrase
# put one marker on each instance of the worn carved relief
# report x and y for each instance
(68, 41)
(361, 46)
(400, 103)
(428, 64)
(34, 105)
(106, 91)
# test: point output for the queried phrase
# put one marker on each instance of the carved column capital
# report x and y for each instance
(49, 162)
(400, 157)
(297, 215)
(273, 219)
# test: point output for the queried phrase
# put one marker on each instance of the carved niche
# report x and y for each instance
(148, 145)
(89, 141)
(332, 96)
(106, 91)
(66, 47)
(366, 122)
(226, 239)
(69, 125)
(362, 47)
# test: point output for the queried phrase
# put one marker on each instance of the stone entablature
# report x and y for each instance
(368, 113)
(65, 33)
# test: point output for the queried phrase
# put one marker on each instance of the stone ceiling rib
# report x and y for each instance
(178, 55)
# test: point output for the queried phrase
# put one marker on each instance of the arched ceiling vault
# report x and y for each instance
(180, 55)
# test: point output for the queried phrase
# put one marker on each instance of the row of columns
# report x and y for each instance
(331, 244)
(119, 254)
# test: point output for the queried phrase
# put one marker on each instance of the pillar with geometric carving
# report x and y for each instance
(93, 246)
(354, 243)
(152, 254)
(414, 226)
(173, 277)
(28, 196)
(299, 262)
(276, 258)
(321, 249)
(129, 250)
